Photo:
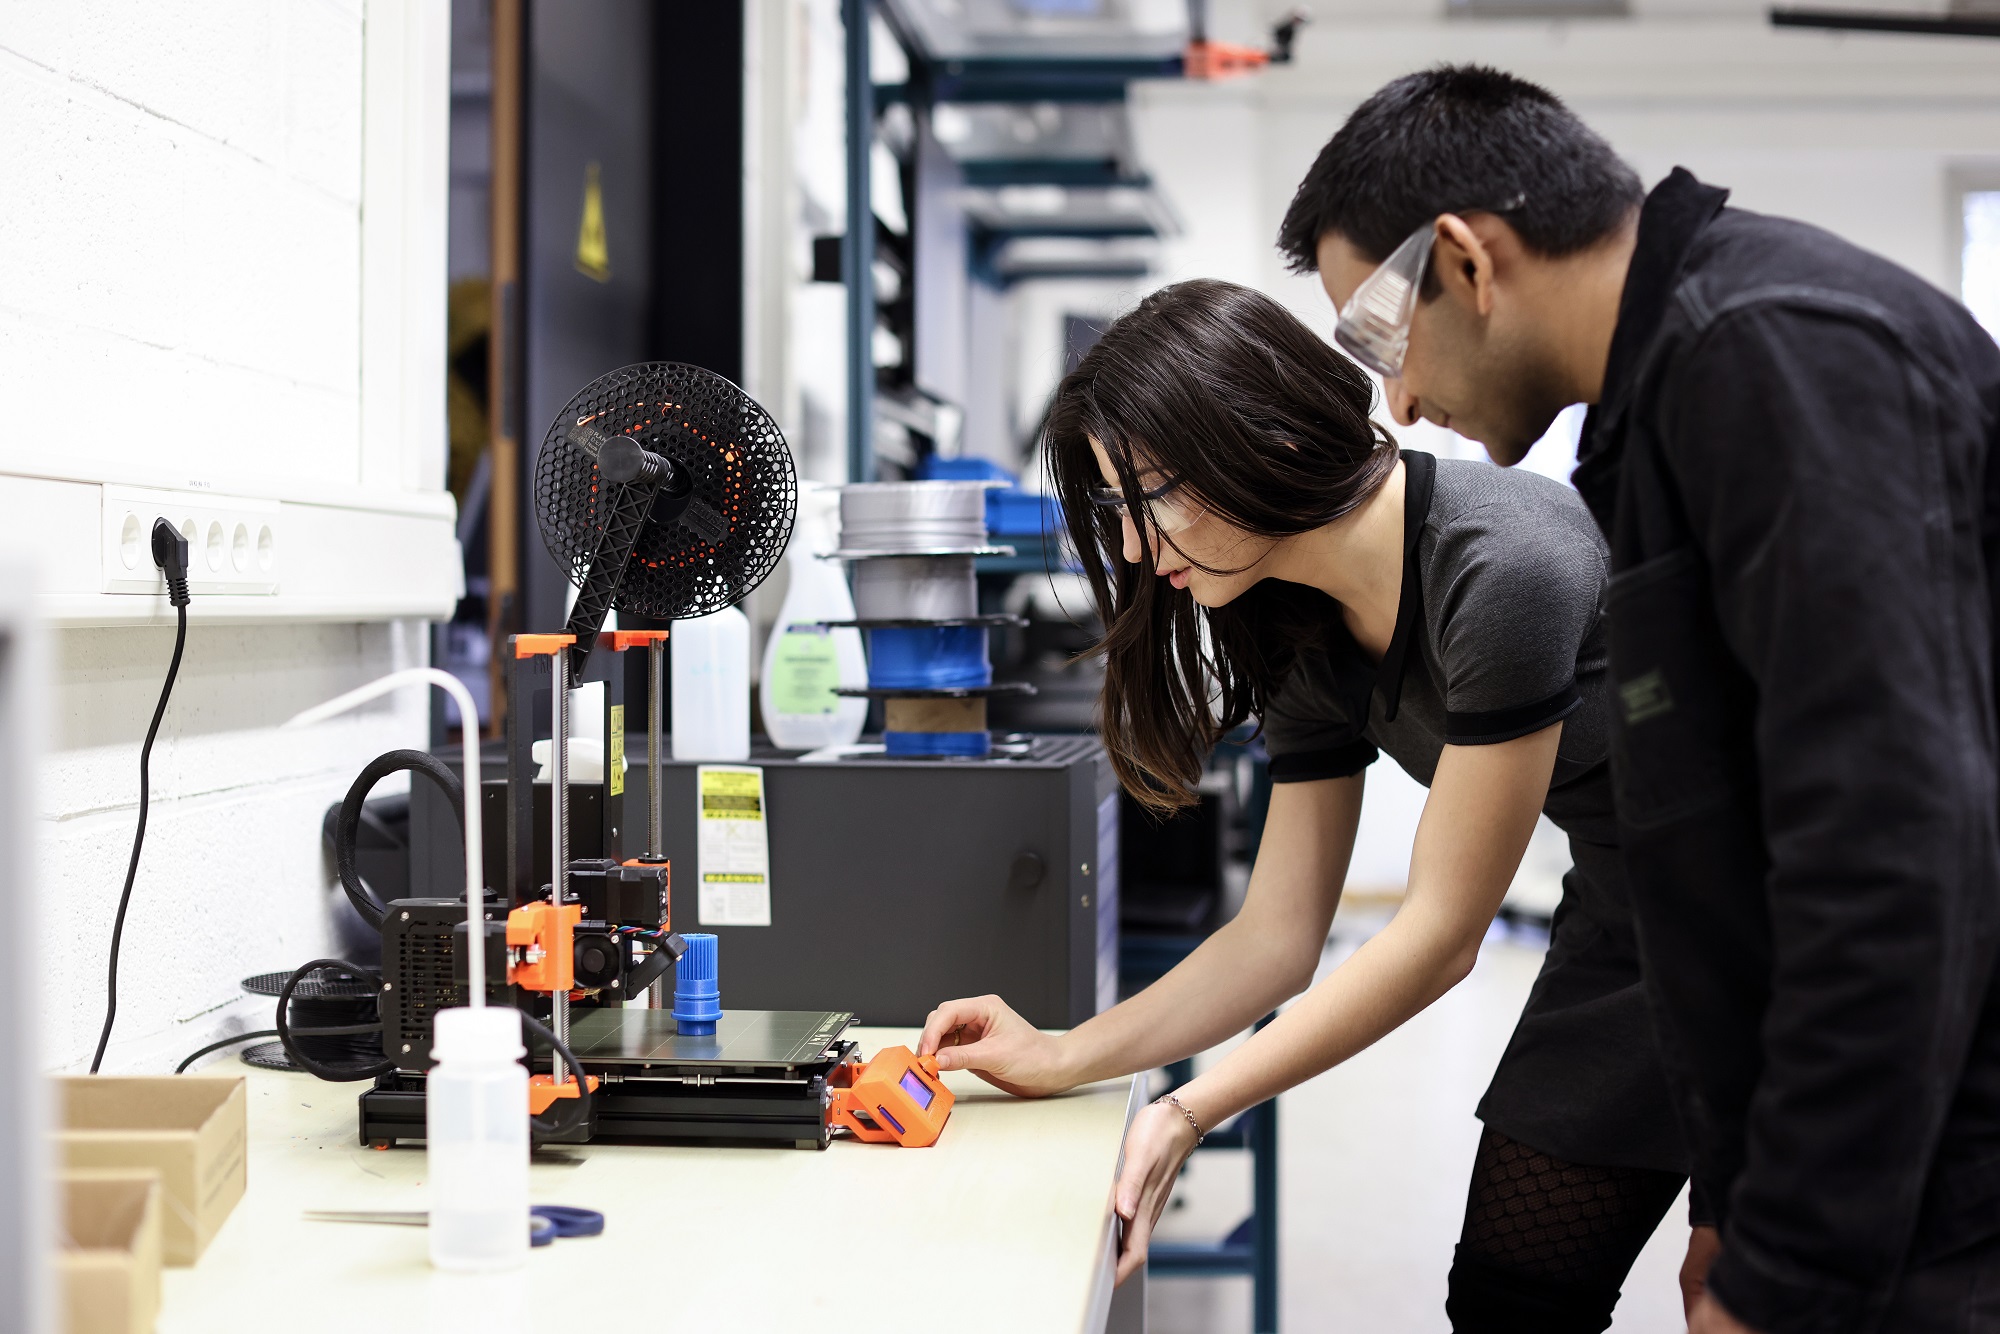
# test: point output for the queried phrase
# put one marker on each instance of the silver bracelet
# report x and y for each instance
(1199, 1136)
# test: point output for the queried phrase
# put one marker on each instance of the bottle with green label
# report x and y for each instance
(804, 663)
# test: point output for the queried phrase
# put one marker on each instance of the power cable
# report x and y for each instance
(170, 553)
(220, 1043)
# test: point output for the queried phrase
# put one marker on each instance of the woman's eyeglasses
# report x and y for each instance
(1374, 325)
(1166, 513)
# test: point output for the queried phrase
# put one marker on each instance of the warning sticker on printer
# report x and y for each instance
(735, 846)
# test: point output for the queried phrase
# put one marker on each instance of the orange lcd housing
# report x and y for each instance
(897, 1098)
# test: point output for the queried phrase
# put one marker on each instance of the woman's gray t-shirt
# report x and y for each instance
(1499, 634)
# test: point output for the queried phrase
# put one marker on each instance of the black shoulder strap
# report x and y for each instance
(1420, 475)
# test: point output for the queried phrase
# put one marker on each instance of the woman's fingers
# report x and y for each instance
(979, 1056)
(1146, 1207)
(975, 1016)
(1132, 1253)
(1152, 1160)
(1131, 1185)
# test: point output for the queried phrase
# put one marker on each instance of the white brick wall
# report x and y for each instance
(233, 881)
(182, 222)
(183, 256)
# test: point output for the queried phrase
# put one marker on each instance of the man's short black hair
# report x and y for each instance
(1459, 139)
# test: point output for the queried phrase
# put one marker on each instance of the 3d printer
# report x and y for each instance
(669, 493)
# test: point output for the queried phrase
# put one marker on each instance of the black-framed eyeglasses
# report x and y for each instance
(1163, 510)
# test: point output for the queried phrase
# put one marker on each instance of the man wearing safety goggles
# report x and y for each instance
(1789, 448)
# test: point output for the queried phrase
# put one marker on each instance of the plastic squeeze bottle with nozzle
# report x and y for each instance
(476, 1130)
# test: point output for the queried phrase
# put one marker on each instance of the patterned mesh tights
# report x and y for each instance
(1547, 1243)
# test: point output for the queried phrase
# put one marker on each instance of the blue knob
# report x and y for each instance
(697, 995)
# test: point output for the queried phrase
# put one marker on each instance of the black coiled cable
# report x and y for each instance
(347, 826)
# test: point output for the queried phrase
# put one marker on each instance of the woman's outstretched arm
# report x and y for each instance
(1482, 808)
(1265, 955)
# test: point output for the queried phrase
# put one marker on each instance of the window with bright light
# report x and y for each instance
(1979, 264)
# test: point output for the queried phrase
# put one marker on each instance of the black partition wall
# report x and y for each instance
(632, 214)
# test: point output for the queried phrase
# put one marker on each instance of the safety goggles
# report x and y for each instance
(1374, 325)
(1167, 513)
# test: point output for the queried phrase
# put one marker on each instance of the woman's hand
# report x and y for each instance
(985, 1036)
(1156, 1146)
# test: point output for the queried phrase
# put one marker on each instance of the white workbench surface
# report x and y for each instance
(1004, 1224)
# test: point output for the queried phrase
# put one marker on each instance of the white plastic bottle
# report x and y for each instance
(803, 663)
(476, 1139)
(711, 680)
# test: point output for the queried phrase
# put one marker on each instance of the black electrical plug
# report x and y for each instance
(170, 553)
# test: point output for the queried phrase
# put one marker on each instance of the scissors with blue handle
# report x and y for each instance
(546, 1222)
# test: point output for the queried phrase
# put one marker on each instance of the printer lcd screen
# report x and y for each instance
(916, 1088)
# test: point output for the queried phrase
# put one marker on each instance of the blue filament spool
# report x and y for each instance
(931, 657)
(928, 657)
(966, 745)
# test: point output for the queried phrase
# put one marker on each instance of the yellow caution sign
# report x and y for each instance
(733, 864)
(593, 256)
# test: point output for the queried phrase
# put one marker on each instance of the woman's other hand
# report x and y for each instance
(985, 1036)
(1156, 1146)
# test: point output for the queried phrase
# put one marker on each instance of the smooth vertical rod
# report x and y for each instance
(857, 247)
(656, 798)
(559, 828)
(656, 703)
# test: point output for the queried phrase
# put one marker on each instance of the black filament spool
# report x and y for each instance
(327, 1000)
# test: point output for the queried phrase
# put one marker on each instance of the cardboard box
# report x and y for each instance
(191, 1129)
(108, 1267)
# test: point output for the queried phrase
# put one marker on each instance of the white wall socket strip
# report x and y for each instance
(235, 545)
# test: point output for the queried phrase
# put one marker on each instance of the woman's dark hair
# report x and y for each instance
(1460, 139)
(1260, 423)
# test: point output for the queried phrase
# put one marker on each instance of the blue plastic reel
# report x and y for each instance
(928, 657)
(973, 745)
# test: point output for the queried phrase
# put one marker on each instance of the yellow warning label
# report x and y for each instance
(616, 746)
(593, 254)
(732, 794)
(734, 853)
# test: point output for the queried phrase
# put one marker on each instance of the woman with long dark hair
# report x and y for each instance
(1258, 548)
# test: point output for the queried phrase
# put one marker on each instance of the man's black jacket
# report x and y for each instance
(1792, 461)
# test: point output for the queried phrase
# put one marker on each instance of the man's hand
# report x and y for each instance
(1709, 1318)
(986, 1037)
(1704, 1244)
(1156, 1146)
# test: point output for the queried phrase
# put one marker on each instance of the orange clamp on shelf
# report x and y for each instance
(897, 1098)
(540, 646)
(1221, 60)
(543, 1091)
(541, 945)
(620, 640)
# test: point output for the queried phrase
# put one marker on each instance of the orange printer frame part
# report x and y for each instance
(876, 1106)
(551, 929)
(543, 1091)
(620, 640)
(540, 646)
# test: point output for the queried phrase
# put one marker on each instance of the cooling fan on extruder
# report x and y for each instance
(667, 491)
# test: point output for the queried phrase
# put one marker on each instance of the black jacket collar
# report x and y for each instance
(1674, 215)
